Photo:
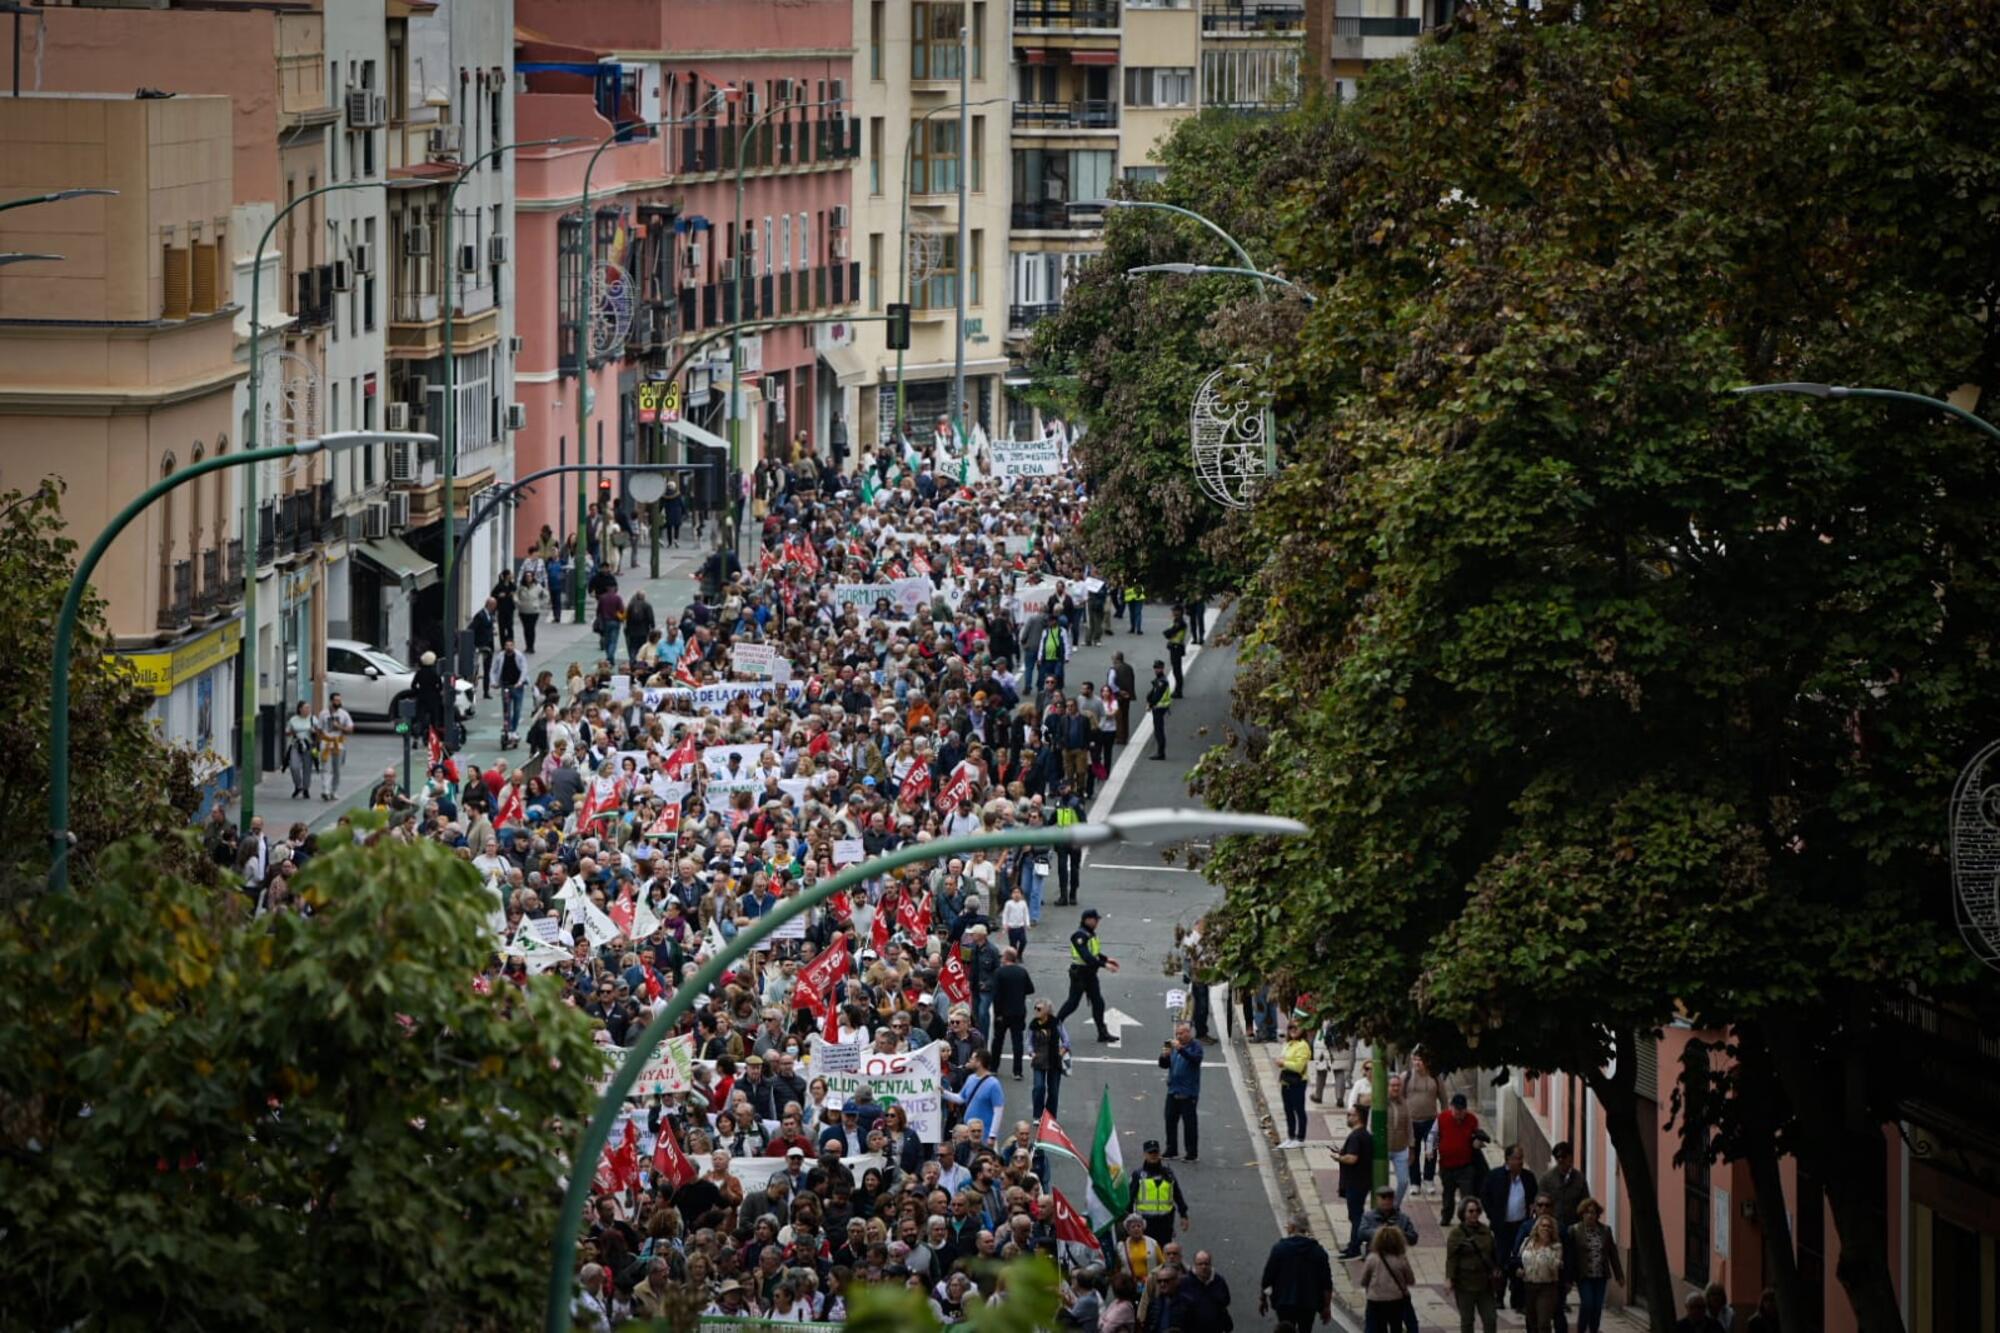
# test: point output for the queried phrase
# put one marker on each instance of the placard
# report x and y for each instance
(863, 595)
(755, 659)
(912, 595)
(911, 1080)
(848, 851)
(1026, 458)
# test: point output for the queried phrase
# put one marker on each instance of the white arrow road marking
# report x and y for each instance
(1118, 1020)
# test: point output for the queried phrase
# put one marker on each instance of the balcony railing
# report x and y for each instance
(1054, 215)
(267, 533)
(1253, 18)
(1065, 14)
(210, 595)
(1091, 114)
(1027, 316)
(232, 592)
(1377, 27)
(176, 596)
(1960, 1060)
(326, 524)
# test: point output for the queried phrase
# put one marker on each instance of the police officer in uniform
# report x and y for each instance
(1177, 642)
(1069, 860)
(1159, 698)
(1156, 1195)
(1086, 960)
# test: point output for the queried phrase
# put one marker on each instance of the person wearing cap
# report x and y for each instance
(1385, 1213)
(1160, 699)
(1086, 959)
(1157, 1195)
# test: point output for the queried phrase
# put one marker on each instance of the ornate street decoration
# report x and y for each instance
(1975, 855)
(610, 309)
(290, 395)
(926, 253)
(1230, 428)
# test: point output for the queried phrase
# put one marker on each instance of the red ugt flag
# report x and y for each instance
(669, 1161)
(1070, 1227)
(916, 786)
(826, 967)
(958, 787)
(952, 980)
(513, 809)
(1048, 1134)
(913, 916)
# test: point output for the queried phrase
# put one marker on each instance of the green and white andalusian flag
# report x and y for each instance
(1110, 1191)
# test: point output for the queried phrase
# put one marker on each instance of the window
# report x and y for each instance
(978, 154)
(1061, 175)
(785, 240)
(978, 42)
(875, 19)
(770, 256)
(194, 505)
(367, 282)
(494, 112)
(806, 255)
(569, 274)
(875, 156)
(875, 271)
(1252, 77)
(221, 492)
(1145, 175)
(934, 39)
(938, 290)
(977, 240)
(472, 399)
(934, 156)
(1159, 85)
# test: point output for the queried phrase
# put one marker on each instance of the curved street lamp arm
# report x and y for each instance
(1227, 239)
(1812, 390)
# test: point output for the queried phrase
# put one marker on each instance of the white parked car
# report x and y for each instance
(371, 683)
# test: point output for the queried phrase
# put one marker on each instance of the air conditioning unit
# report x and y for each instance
(840, 216)
(496, 250)
(357, 111)
(343, 276)
(468, 259)
(728, 270)
(399, 511)
(364, 260)
(375, 521)
(399, 417)
(690, 279)
(417, 241)
(402, 460)
(515, 345)
(694, 256)
(749, 240)
(840, 247)
(378, 109)
(517, 416)
(442, 141)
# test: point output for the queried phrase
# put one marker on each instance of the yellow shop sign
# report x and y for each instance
(161, 672)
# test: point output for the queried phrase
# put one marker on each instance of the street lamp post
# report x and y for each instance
(72, 607)
(54, 197)
(1202, 270)
(447, 433)
(1807, 390)
(733, 521)
(1139, 827)
(247, 687)
(586, 270)
(903, 230)
(1177, 210)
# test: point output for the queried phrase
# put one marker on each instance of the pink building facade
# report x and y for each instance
(663, 230)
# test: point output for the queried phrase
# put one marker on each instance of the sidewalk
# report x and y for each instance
(372, 750)
(1312, 1175)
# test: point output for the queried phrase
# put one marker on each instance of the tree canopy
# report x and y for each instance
(1607, 693)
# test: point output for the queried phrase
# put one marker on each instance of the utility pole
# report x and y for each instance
(964, 234)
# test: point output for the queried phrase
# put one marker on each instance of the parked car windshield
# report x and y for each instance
(388, 664)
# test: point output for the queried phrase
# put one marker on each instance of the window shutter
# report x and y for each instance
(1646, 1065)
(207, 260)
(176, 298)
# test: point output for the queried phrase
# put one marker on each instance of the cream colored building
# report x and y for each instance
(906, 63)
(118, 368)
(1098, 85)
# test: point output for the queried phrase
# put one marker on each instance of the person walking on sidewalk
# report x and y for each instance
(1403, 1146)
(1385, 1281)
(505, 599)
(513, 673)
(1086, 959)
(1159, 698)
(1298, 1278)
(1357, 1162)
(1181, 1058)
(1458, 1137)
(335, 725)
(1594, 1253)
(1157, 1195)
(1385, 1213)
(610, 622)
(1124, 682)
(1509, 1200)
(531, 601)
(1471, 1266)
(482, 643)
(1423, 1097)
(300, 735)
(1208, 1296)
(639, 626)
(1541, 1264)
(1292, 1064)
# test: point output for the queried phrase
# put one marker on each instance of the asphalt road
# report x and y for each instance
(1230, 1191)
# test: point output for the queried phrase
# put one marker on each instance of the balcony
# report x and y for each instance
(211, 594)
(327, 525)
(1223, 19)
(1054, 215)
(267, 533)
(176, 596)
(1065, 14)
(1374, 38)
(1021, 318)
(232, 592)
(1085, 115)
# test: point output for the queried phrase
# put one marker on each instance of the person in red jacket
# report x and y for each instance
(1458, 1140)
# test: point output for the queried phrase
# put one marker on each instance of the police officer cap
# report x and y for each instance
(1091, 914)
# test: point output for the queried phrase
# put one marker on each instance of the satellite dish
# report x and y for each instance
(646, 487)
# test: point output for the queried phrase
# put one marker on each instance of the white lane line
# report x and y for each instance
(1142, 735)
(1169, 870)
(1110, 1060)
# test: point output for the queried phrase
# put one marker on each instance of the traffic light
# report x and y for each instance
(899, 326)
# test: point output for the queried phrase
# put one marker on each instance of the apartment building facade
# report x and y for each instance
(1345, 37)
(908, 58)
(651, 275)
(1098, 85)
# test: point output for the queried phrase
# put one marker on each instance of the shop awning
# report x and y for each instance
(394, 557)
(694, 434)
(849, 367)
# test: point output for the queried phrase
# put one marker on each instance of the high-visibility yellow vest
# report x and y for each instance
(1051, 644)
(1156, 1196)
(1065, 816)
(1076, 956)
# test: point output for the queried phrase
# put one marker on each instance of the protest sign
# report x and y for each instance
(863, 595)
(1020, 545)
(1031, 598)
(1026, 458)
(911, 595)
(911, 1080)
(848, 851)
(754, 659)
(547, 929)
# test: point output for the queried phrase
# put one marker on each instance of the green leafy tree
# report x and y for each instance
(112, 739)
(1609, 697)
(296, 1121)
(1124, 356)
(1028, 1303)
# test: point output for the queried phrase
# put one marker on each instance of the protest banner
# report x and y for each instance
(1017, 545)
(718, 795)
(669, 1070)
(1026, 458)
(912, 595)
(754, 659)
(848, 851)
(911, 1080)
(863, 595)
(1032, 598)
